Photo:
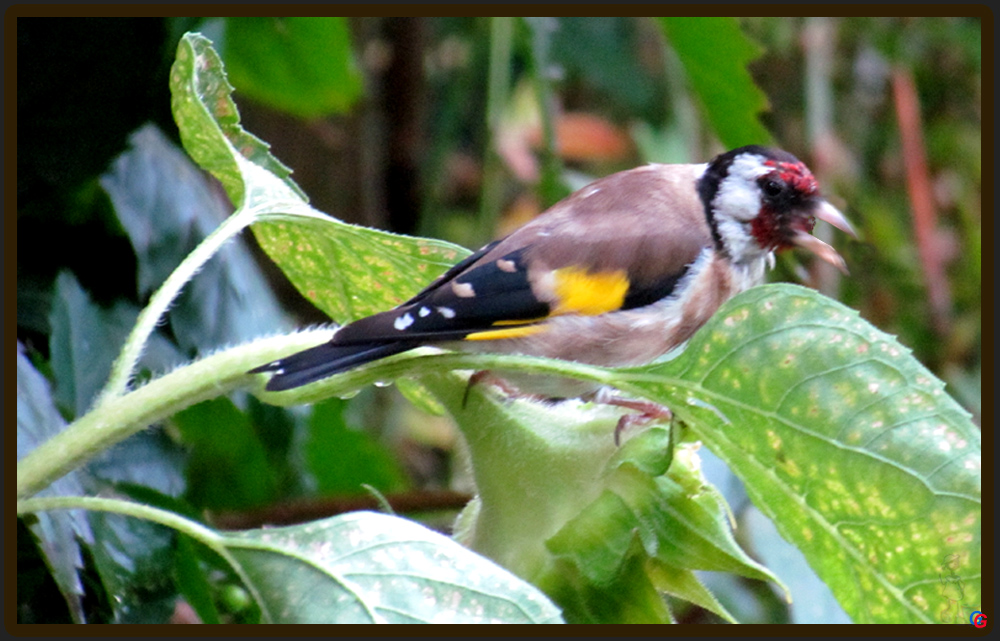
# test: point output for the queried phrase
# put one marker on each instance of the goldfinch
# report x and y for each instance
(616, 274)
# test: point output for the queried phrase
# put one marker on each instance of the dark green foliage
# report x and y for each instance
(109, 206)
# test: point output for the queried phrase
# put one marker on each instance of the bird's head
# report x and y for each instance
(760, 200)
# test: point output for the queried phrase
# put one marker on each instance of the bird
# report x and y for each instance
(617, 274)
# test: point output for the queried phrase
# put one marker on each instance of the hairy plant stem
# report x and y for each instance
(121, 371)
(117, 418)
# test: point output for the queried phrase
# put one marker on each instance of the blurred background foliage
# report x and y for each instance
(462, 129)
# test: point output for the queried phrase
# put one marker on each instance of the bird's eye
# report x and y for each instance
(771, 188)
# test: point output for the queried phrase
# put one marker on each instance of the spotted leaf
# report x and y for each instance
(374, 568)
(348, 271)
(851, 446)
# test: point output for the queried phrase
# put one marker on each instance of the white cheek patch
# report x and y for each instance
(738, 193)
(736, 238)
(737, 202)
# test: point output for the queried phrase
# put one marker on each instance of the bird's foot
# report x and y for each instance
(649, 412)
(487, 377)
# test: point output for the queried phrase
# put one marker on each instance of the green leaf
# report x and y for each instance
(228, 467)
(344, 460)
(419, 396)
(209, 123)
(355, 568)
(134, 560)
(598, 540)
(679, 520)
(601, 53)
(304, 66)
(560, 505)
(684, 530)
(685, 584)
(349, 272)
(256, 182)
(630, 596)
(150, 459)
(366, 568)
(167, 207)
(651, 452)
(844, 440)
(123, 551)
(814, 602)
(83, 344)
(191, 581)
(85, 340)
(58, 533)
(158, 196)
(715, 54)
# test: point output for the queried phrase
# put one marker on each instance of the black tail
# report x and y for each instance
(324, 360)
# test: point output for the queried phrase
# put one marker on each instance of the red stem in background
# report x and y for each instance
(311, 509)
(819, 37)
(921, 198)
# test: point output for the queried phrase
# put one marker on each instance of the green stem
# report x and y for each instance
(121, 371)
(550, 185)
(497, 95)
(535, 468)
(117, 418)
(172, 520)
(210, 538)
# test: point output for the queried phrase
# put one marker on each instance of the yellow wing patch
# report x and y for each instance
(510, 332)
(577, 291)
(580, 292)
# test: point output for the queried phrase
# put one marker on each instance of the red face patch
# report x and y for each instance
(780, 219)
(796, 175)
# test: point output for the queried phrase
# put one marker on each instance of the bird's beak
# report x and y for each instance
(826, 212)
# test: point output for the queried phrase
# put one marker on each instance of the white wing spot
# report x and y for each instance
(423, 312)
(402, 322)
(505, 265)
(447, 312)
(463, 290)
